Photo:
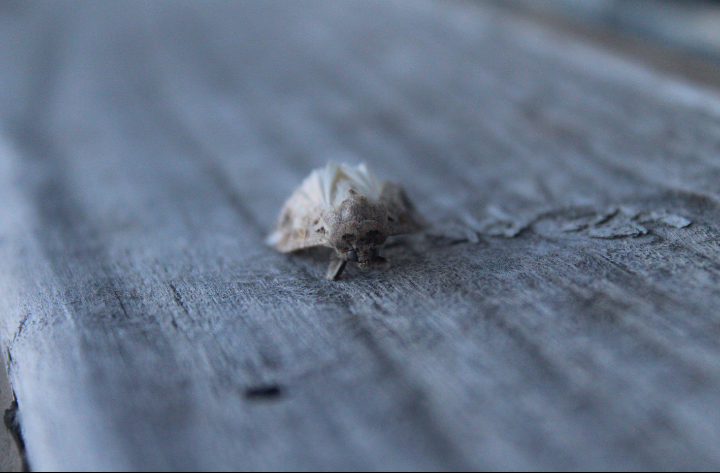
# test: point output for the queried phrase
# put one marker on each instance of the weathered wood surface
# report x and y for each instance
(561, 313)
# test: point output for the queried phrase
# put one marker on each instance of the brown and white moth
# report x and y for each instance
(345, 208)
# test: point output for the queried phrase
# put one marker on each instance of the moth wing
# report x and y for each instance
(402, 216)
(298, 228)
(301, 224)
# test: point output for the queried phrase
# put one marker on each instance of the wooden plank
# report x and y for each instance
(560, 313)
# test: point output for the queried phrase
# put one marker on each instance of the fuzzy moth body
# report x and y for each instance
(347, 209)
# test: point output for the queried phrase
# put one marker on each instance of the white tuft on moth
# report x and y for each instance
(347, 209)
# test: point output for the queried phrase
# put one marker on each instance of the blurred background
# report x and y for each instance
(681, 36)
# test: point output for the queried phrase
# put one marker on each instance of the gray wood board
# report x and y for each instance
(562, 311)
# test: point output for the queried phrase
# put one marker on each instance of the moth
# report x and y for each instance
(347, 209)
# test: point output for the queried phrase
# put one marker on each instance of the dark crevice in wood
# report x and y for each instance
(19, 330)
(11, 420)
(179, 301)
(122, 305)
(270, 392)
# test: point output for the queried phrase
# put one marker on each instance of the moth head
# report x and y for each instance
(359, 230)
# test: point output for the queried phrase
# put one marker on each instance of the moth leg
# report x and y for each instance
(336, 268)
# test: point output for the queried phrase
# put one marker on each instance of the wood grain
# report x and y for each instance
(561, 313)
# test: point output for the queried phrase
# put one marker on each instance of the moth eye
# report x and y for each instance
(352, 256)
(375, 253)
